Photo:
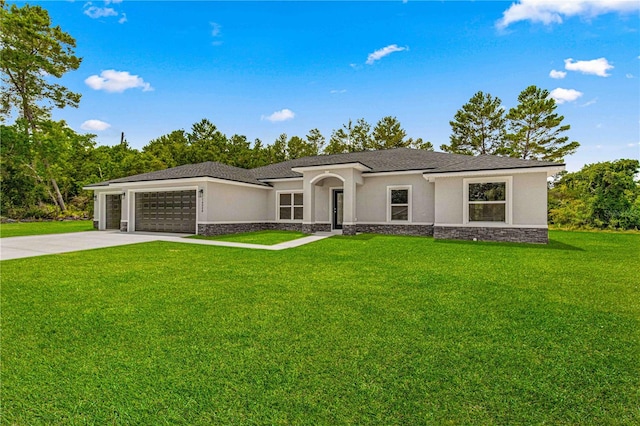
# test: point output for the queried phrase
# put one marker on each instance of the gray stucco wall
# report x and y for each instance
(372, 202)
(529, 199)
(235, 203)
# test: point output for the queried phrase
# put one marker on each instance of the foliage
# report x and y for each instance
(601, 195)
(478, 128)
(535, 128)
(350, 138)
(348, 330)
(33, 52)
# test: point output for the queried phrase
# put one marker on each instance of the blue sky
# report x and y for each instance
(265, 68)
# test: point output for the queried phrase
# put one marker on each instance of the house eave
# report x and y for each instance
(333, 166)
(550, 170)
(164, 182)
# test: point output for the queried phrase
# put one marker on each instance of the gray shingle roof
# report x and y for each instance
(399, 159)
(207, 169)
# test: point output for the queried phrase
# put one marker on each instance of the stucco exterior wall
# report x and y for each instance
(448, 200)
(270, 206)
(528, 204)
(372, 202)
(235, 203)
(530, 199)
(323, 198)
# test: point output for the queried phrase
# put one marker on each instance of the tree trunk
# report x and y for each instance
(59, 199)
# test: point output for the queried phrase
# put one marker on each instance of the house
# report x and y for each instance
(397, 191)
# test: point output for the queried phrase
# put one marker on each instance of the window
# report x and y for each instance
(290, 205)
(487, 200)
(399, 203)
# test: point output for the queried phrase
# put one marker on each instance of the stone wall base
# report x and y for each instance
(211, 229)
(96, 224)
(124, 226)
(312, 228)
(417, 230)
(512, 235)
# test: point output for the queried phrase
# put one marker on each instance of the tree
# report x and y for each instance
(298, 147)
(535, 130)
(478, 128)
(420, 144)
(388, 134)
(316, 139)
(206, 143)
(172, 149)
(600, 195)
(33, 53)
(350, 138)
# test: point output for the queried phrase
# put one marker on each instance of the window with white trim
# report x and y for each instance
(290, 205)
(399, 200)
(487, 201)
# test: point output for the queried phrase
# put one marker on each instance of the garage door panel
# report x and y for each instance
(166, 211)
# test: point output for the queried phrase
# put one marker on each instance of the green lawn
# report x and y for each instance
(347, 330)
(266, 238)
(20, 229)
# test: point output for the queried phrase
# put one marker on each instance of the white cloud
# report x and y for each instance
(597, 67)
(123, 18)
(589, 103)
(385, 51)
(282, 115)
(216, 29)
(557, 74)
(550, 12)
(629, 75)
(117, 81)
(335, 92)
(95, 125)
(95, 12)
(565, 95)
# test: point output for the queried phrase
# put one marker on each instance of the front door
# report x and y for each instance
(338, 198)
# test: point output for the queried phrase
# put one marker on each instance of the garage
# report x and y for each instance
(166, 211)
(113, 211)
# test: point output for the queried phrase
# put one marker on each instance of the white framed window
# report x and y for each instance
(487, 200)
(399, 203)
(290, 205)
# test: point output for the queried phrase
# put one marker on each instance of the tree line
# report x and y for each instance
(44, 163)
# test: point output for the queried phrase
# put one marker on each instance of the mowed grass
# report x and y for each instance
(20, 229)
(347, 330)
(267, 238)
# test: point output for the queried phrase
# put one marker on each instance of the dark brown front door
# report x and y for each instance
(113, 211)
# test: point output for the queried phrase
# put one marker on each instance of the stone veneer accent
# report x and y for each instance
(312, 228)
(124, 226)
(96, 224)
(408, 229)
(512, 235)
(211, 229)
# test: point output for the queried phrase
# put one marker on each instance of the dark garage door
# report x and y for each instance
(170, 211)
(113, 211)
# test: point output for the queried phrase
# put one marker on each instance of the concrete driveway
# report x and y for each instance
(38, 245)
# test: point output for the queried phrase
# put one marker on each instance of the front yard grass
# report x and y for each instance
(347, 330)
(266, 238)
(20, 229)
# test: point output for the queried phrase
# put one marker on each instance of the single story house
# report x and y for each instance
(397, 191)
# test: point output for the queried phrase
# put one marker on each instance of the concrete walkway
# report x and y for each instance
(39, 245)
